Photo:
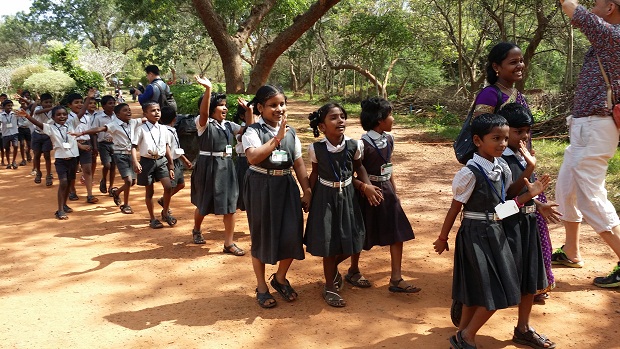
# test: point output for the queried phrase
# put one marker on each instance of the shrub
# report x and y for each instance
(54, 82)
(187, 97)
(20, 74)
(86, 79)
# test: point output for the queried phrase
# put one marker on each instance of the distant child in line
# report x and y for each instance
(485, 276)
(91, 113)
(41, 143)
(244, 109)
(155, 163)
(66, 152)
(105, 146)
(24, 128)
(169, 119)
(3, 97)
(122, 130)
(10, 133)
(386, 224)
(335, 227)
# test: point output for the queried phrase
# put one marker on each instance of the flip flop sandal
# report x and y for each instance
(37, 177)
(91, 199)
(73, 196)
(49, 180)
(234, 249)
(338, 282)
(333, 299)
(156, 224)
(532, 339)
(67, 209)
(126, 209)
(396, 288)
(356, 279)
(102, 187)
(117, 199)
(285, 290)
(169, 219)
(559, 257)
(262, 299)
(460, 342)
(197, 237)
(61, 215)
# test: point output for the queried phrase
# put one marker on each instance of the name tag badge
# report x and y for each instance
(506, 209)
(228, 150)
(9, 125)
(279, 156)
(66, 145)
(386, 169)
(179, 151)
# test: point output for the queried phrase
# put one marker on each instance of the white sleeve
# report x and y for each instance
(463, 185)
(250, 139)
(297, 154)
(360, 147)
(200, 129)
(358, 154)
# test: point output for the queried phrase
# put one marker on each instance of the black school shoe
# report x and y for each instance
(611, 280)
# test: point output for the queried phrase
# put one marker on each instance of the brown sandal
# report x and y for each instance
(395, 286)
(234, 249)
(532, 339)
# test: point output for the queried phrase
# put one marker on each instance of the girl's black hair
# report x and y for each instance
(56, 109)
(318, 116)
(484, 123)
(118, 107)
(6, 102)
(265, 93)
(239, 116)
(374, 109)
(517, 115)
(216, 99)
(497, 54)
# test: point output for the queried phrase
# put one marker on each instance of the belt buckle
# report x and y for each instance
(278, 172)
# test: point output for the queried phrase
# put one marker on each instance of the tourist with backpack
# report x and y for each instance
(157, 90)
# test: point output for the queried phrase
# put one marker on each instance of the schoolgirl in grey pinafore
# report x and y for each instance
(335, 224)
(387, 223)
(214, 180)
(522, 233)
(273, 205)
(241, 164)
(484, 269)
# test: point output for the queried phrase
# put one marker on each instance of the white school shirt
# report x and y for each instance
(233, 126)
(82, 125)
(59, 134)
(335, 149)
(9, 123)
(44, 118)
(239, 138)
(464, 181)
(122, 133)
(173, 142)
(379, 139)
(151, 139)
(102, 119)
(23, 122)
(251, 139)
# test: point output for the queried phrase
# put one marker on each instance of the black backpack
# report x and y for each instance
(166, 99)
(464, 147)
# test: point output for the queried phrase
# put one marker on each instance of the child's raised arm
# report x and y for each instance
(258, 154)
(206, 100)
(533, 189)
(91, 131)
(518, 184)
(441, 244)
(23, 114)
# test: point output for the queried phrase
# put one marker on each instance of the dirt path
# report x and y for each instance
(103, 279)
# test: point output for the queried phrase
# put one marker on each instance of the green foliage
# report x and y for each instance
(187, 97)
(54, 82)
(22, 73)
(64, 57)
(85, 80)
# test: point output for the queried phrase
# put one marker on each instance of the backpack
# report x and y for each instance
(166, 99)
(464, 147)
(186, 125)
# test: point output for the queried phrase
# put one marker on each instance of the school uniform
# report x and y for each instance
(214, 179)
(122, 135)
(387, 223)
(272, 198)
(40, 141)
(151, 140)
(83, 124)
(9, 129)
(241, 165)
(522, 232)
(24, 128)
(65, 148)
(485, 273)
(104, 139)
(176, 152)
(335, 224)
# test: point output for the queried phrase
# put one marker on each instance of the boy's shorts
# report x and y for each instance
(41, 142)
(86, 156)
(124, 165)
(24, 134)
(8, 141)
(106, 152)
(152, 170)
(65, 168)
(178, 173)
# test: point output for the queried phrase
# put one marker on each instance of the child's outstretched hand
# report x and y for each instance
(548, 211)
(441, 246)
(373, 194)
(528, 156)
(21, 113)
(203, 81)
(249, 118)
(539, 186)
(91, 93)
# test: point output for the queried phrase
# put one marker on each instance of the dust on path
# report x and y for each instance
(103, 279)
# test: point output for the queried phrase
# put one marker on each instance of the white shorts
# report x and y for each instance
(580, 190)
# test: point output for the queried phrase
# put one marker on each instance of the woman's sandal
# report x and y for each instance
(285, 290)
(458, 342)
(49, 180)
(332, 298)
(197, 237)
(395, 286)
(234, 249)
(126, 209)
(115, 197)
(169, 219)
(532, 339)
(356, 279)
(156, 224)
(263, 298)
(37, 177)
(61, 215)
(91, 199)
(338, 282)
